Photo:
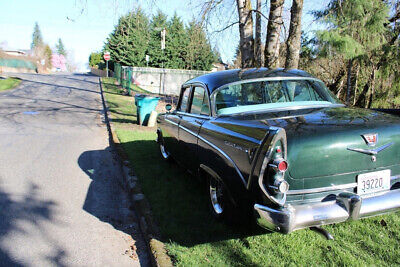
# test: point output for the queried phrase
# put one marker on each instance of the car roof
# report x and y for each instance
(217, 79)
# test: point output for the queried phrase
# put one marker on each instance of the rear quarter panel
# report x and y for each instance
(238, 143)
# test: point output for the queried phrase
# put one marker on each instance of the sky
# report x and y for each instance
(83, 25)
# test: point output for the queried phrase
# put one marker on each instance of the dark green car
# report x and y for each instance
(278, 143)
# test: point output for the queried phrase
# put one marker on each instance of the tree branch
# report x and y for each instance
(395, 17)
(259, 12)
(230, 25)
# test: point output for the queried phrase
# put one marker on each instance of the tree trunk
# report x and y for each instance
(340, 89)
(349, 67)
(362, 99)
(356, 83)
(294, 39)
(272, 43)
(246, 32)
(335, 87)
(257, 41)
(372, 89)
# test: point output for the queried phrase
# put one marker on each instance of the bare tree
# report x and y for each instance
(246, 32)
(257, 40)
(294, 42)
(273, 34)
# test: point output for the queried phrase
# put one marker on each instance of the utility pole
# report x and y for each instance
(163, 33)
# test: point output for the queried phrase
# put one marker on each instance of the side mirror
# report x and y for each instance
(168, 107)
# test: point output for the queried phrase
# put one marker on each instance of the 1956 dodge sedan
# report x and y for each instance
(279, 143)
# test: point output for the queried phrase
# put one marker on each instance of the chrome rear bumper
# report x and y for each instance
(346, 206)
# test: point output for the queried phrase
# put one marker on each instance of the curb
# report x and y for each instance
(148, 227)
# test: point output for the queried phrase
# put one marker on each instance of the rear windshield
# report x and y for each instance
(259, 95)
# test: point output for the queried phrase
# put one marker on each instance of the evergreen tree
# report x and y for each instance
(60, 48)
(199, 54)
(128, 43)
(134, 37)
(96, 59)
(176, 43)
(237, 62)
(157, 56)
(356, 31)
(48, 53)
(37, 39)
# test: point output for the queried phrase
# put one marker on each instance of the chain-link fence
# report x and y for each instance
(17, 64)
(154, 80)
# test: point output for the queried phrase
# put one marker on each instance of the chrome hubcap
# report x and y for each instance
(164, 153)
(216, 195)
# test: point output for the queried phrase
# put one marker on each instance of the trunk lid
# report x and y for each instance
(318, 143)
(319, 138)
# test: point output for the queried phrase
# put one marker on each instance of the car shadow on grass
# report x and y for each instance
(179, 200)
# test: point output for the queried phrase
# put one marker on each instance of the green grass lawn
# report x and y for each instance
(122, 108)
(193, 237)
(134, 87)
(9, 83)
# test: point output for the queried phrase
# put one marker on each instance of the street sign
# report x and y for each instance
(106, 56)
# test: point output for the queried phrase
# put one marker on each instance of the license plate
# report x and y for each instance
(373, 182)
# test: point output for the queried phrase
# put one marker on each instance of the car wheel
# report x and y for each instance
(220, 204)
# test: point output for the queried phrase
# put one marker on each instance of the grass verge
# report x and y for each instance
(121, 107)
(9, 83)
(134, 88)
(192, 237)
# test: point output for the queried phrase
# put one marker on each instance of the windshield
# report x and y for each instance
(260, 95)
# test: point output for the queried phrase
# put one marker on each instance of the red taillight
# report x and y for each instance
(282, 166)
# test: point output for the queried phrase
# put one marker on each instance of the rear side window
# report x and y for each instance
(304, 92)
(200, 102)
(185, 99)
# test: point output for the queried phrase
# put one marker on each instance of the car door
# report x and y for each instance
(171, 129)
(190, 124)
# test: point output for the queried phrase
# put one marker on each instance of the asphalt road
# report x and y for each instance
(60, 200)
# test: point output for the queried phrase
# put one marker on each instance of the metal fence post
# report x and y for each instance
(124, 77)
(129, 80)
(120, 73)
(117, 72)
